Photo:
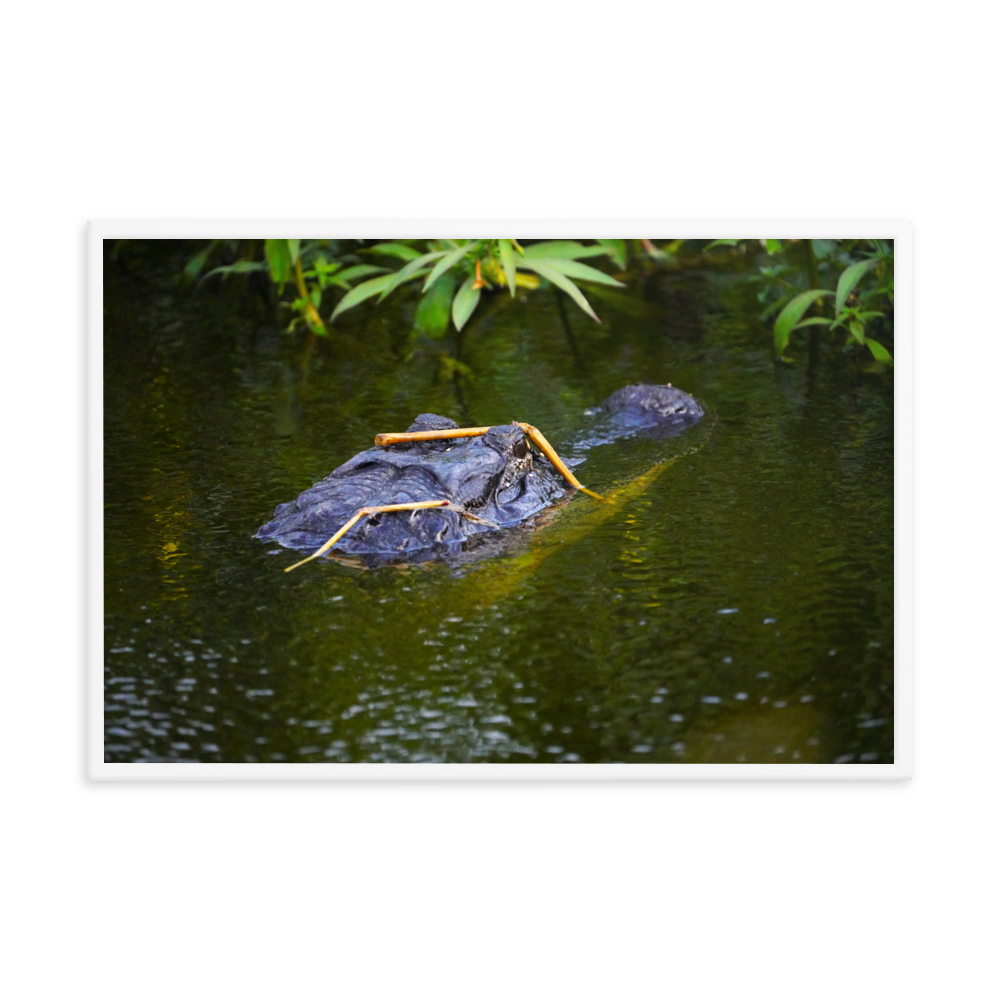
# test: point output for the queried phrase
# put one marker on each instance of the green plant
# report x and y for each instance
(455, 273)
(312, 267)
(861, 284)
(850, 310)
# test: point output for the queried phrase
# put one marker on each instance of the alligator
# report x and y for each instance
(438, 492)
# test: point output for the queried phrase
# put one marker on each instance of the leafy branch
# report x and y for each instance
(850, 308)
(480, 265)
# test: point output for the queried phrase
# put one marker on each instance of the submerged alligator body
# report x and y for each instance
(491, 482)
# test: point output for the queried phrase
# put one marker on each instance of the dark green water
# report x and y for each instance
(738, 609)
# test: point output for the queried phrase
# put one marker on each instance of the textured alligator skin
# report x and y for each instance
(494, 478)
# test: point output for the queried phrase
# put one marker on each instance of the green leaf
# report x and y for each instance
(407, 270)
(879, 352)
(509, 263)
(240, 267)
(560, 281)
(582, 272)
(720, 243)
(193, 267)
(355, 272)
(565, 249)
(394, 250)
(812, 321)
(881, 248)
(824, 249)
(851, 276)
(857, 330)
(617, 251)
(293, 249)
(434, 309)
(279, 261)
(465, 302)
(791, 314)
(773, 246)
(366, 290)
(841, 319)
(448, 261)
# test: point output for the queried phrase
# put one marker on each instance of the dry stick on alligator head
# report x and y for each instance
(537, 438)
(439, 490)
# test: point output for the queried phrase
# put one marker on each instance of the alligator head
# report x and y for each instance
(656, 411)
(494, 478)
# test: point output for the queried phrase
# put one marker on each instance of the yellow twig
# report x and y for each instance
(550, 453)
(364, 512)
(404, 437)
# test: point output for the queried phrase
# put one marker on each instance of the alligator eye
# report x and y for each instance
(521, 448)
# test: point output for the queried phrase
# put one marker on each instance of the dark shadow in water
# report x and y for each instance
(560, 298)
(685, 297)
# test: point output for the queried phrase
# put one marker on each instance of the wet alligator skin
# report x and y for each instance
(494, 477)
